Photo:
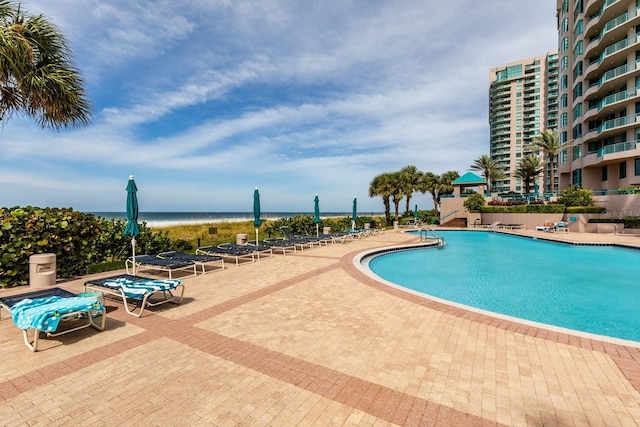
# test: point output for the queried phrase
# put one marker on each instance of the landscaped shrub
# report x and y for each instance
(585, 209)
(474, 202)
(575, 196)
(545, 208)
(31, 230)
(79, 240)
(304, 225)
(504, 209)
(629, 221)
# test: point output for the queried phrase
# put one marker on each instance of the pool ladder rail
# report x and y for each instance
(427, 234)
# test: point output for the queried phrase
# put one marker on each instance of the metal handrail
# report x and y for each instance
(447, 215)
(424, 236)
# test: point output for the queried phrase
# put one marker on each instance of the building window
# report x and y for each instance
(564, 120)
(564, 101)
(564, 63)
(563, 157)
(623, 170)
(564, 44)
(565, 25)
(637, 167)
(579, 28)
(576, 177)
(564, 82)
(605, 173)
(577, 111)
(577, 51)
(577, 152)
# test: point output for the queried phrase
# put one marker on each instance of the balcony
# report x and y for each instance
(609, 79)
(612, 52)
(616, 125)
(611, 153)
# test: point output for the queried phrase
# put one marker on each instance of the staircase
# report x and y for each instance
(456, 223)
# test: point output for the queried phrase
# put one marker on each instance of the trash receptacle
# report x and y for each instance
(241, 239)
(42, 270)
(326, 230)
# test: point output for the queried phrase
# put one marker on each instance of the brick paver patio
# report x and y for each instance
(308, 339)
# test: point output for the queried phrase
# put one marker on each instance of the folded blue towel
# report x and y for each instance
(137, 289)
(45, 314)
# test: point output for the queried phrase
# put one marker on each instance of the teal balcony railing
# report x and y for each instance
(620, 121)
(617, 97)
(617, 148)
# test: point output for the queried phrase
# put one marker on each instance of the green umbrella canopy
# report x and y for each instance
(132, 229)
(354, 215)
(316, 210)
(257, 222)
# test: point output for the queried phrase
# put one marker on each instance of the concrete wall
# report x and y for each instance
(617, 205)
(620, 205)
(528, 220)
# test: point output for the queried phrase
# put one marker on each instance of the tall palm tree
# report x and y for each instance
(411, 177)
(549, 144)
(438, 185)
(398, 185)
(496, 175)
(489, 168)
(528, 169)
(37, 76)
(381, 186)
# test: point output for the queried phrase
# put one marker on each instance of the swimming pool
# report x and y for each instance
(593, 289)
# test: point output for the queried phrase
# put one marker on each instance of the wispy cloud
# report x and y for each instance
(207, 99)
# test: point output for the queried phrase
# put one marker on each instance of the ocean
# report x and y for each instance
(159, 219)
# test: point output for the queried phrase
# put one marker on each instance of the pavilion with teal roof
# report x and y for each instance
(468, 180)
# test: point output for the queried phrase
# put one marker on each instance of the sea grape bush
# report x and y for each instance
(304, 225)
(30, 230)
(77, 239)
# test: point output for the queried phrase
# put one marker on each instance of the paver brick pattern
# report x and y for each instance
(307, 339)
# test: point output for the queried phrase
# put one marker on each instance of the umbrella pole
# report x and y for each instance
(317, 230)
(133, 248)
(257, 237)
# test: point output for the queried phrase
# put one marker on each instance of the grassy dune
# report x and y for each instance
(212, 233)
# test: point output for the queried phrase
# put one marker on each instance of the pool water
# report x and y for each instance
(593, 289)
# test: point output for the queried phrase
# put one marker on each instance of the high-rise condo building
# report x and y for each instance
(598, 104)
(523, 101)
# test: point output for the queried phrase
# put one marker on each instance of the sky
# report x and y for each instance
(204, 100)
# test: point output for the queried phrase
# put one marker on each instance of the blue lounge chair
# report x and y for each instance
(136, 290)
(276, 245)
(300, 241)
(45, 310)
(561, 226)
(198, 259)
(237, 254)
(257, 249)
(153, 262)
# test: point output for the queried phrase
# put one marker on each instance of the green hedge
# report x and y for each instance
(80, 241)
(585, 209)
(304, 225)
(519, 209)
(31, 230)
(629, 222)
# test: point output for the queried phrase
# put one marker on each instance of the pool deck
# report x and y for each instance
(308, 339)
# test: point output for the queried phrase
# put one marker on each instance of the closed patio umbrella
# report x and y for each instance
(354, 214)
(257, 222)
(316, 210)
(415, 214)
(131, 228)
